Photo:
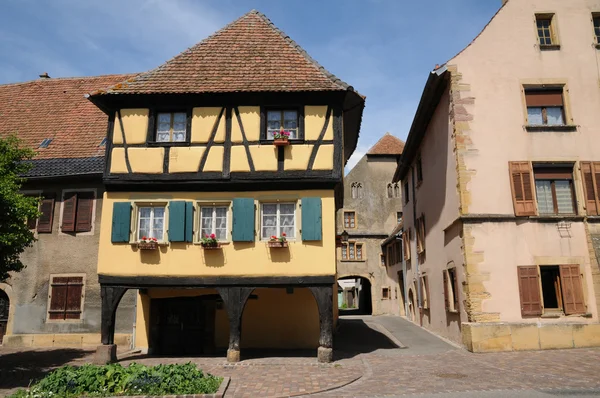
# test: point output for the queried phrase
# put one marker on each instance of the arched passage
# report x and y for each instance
(4, 310)
(356, 295)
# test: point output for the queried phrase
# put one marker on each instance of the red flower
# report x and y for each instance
(273, 237)
(154, 239)
(212, 236)
(283, 234)
(206, 236)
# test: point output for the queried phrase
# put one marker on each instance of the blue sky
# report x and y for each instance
(384, 48)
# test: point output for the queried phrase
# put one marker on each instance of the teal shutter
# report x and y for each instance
(243, 220)
(121, 222)
(311, 219)
(176, 221)
(189, 221)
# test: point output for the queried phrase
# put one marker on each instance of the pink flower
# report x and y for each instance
(283, 234)
(143, 238)
(273, 237)
(212, 236)
(206, 236)
(154, 239)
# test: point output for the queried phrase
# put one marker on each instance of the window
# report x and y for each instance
(213, 220)
(77, 211)
(151, 222)
(551, 289)
(596, 20)
(396, 191)
(406, 192)
(66, 297)
(277, 219)
(591, 186)
(554, 190)
(406, 243)
(425, 291)
(352, 251)
(390, 191)
(419, 170)
(285, 119)
(545, 107)
(385, 293)
(393, 190)
(398, 217)
(546, 30)
(382, 258)
(420, 229)
(171, 127)
(357, 190)
(349, 219)
(398, 250)
(451, 290)
(46, 207)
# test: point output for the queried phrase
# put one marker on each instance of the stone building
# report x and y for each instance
(55, 300)
(500, 179)
(372, 208)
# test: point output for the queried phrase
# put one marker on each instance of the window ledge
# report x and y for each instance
(295, 141)
(549, 47)
(222, 243)
(452, 311)
(135, 243)
(552, 315)
(544, 127)
(353, 261)
(557, 217)
(167, 144)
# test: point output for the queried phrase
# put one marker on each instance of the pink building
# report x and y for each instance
(501, 184)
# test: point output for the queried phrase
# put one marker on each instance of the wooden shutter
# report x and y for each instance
(455, 290)
(572, 290)
(73, 299)
(590, 173)
(406, 242)
(311, 219)
(529, 291)
(446, 300)
(69, 212)
(176, 221)
(189, 221)
(47, 209)
(58, 298)
(542, 98)
(421, 234)
(85, 208)
(521, 182)
(121, 222)
(243, 220)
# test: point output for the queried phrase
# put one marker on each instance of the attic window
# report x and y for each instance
(103, 142)
(45, 143)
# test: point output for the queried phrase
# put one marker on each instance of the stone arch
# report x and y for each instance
(7, 326)
(411, 305)
(365, 297)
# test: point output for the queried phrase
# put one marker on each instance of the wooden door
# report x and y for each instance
(4, 306)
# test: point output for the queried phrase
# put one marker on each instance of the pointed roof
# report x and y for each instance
(387, 145)
(248, 55)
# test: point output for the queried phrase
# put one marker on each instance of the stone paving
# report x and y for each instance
(368, 364)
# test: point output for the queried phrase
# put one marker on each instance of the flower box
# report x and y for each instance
(281, 142)
(211, 246)
(147, 245)
(277, 244)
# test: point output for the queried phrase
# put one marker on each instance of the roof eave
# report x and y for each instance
(354, 105)
(432, 93)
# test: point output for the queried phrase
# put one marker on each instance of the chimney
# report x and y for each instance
(45, 75)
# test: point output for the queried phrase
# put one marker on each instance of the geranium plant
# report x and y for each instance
(281, 238)
(281, 135)
(148, 240)
(210, 240)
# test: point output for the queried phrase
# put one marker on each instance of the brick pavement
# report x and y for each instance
(373, 368)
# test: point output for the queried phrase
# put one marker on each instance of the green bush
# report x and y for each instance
(114, 379)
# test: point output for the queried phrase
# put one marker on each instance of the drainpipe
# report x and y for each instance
(414, 192)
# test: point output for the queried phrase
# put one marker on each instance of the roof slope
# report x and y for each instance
(387, 145)
(57, 109)
(248, 55)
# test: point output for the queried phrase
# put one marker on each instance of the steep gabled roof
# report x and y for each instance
(248, 55)
(56, 109)
(387, 145)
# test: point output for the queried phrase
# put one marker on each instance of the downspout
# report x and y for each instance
(414, 191)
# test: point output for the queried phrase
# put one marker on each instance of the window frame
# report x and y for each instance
(353, 212)
(596, 19)
(198, 219)
(260, 221)
(135, 221)
(450, 291)
(424, 281)
(553, 30)
(153, 125)
(406, 192)
(354, 244)
(50, 291)
(385, 290)
(553, 177)
(536, 85)
(63, 195)
(264, 121)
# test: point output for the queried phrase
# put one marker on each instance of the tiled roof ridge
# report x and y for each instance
(53, 79)
(376, 150)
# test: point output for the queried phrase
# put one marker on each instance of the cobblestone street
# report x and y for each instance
(368, 364)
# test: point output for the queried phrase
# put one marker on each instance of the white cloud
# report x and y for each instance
(359, 152)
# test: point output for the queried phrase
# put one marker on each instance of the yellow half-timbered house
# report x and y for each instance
(224, 170)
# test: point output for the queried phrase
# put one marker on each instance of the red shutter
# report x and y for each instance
(529, 291)
(47, 209)
(521, 182)
(572, 291)
(590, 172)
(69, 212)
(74, 295)
(85, 207)
(58, 299)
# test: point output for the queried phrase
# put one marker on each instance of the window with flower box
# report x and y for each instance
(277, 219)
(151, 222)
(213, 220)
(286, 119)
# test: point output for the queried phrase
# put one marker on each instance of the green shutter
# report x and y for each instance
(243, 220)
(176, 221)
(311, 219)
(189, 221)
(121, 222)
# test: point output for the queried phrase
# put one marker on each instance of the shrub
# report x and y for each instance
(114, 379)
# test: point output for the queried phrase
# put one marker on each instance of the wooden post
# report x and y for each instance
(235, 299)
(111, 296)
(324, 297)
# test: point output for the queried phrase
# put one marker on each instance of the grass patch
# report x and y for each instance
(114, 380)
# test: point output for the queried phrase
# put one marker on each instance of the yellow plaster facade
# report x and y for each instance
(239, 159)
(250, 116)
(214, 161)
(141, 160)
(296, 157)
(324, 159)
(135, 123)
(314, 118)
(203, 122)
(185, 159)
(264, 157)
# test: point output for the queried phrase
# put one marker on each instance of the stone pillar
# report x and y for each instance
(235, 299)
(324, 297)
(111, 296)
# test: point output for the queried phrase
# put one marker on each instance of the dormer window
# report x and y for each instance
(282, 118)
(171, 126)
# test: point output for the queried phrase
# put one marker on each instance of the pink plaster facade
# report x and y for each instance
(476, 125)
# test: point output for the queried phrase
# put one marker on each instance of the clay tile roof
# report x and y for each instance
(56, 108)
(387, 145)
(248, 55)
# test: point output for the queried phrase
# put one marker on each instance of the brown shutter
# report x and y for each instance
(74, 294)
(544, 98)
(529, 291)
(69, 212)
(521, 182)
(455, 287)
(421, 234)
(58, 300)
(590, 173)
(47, 209)
(85, 207)
(446, 301)
(572, 291)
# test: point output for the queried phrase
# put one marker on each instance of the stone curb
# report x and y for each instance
(219, 394)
